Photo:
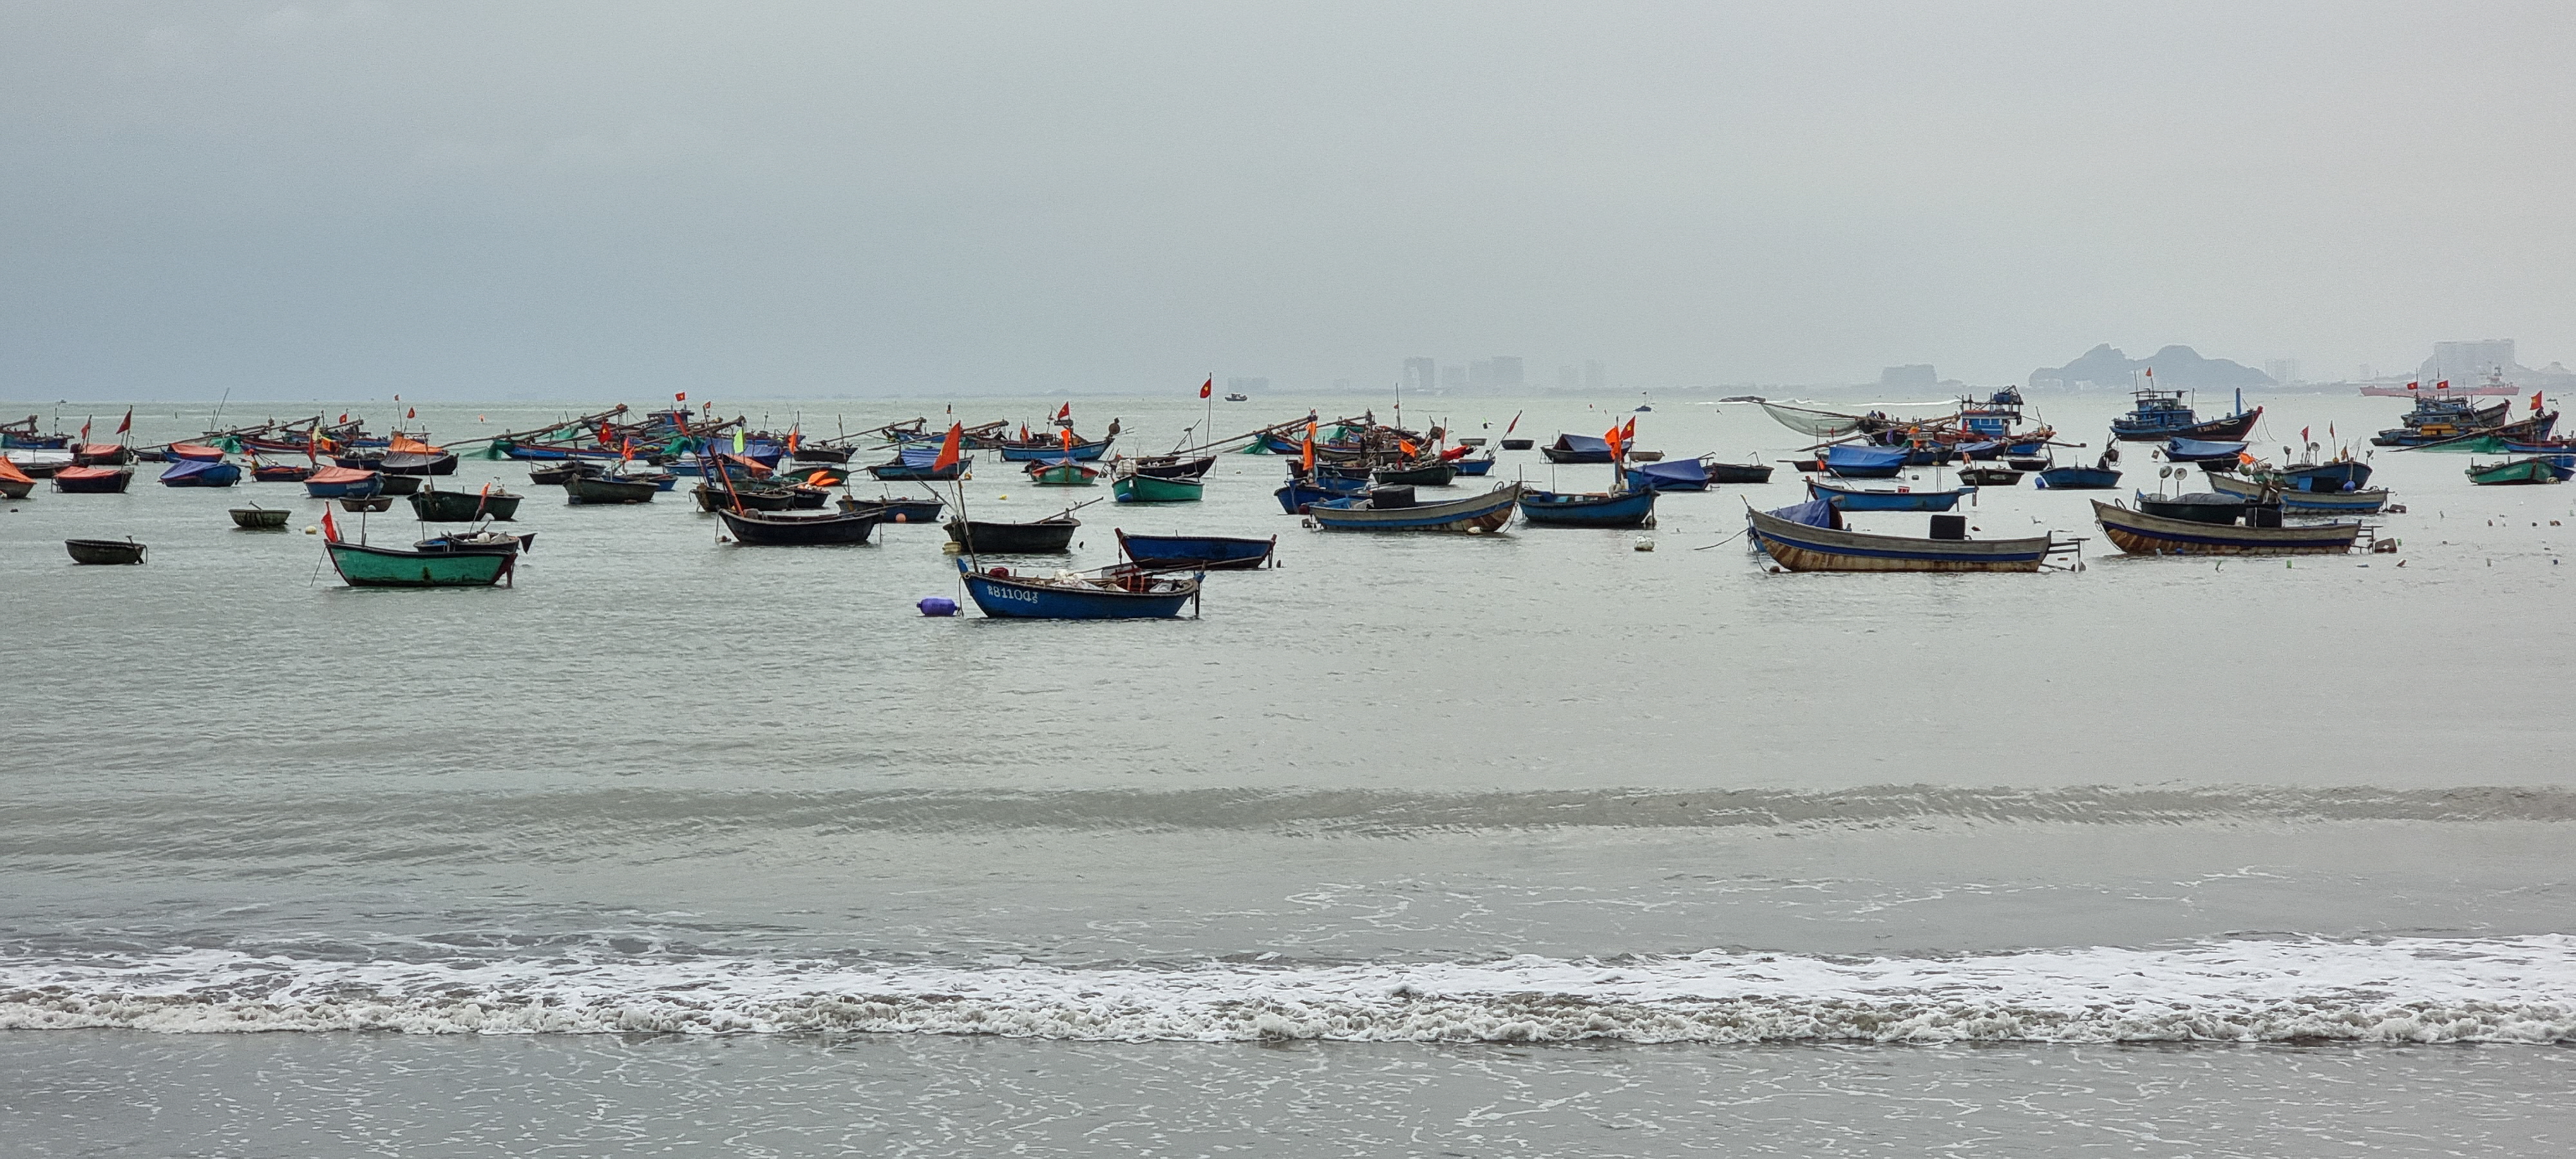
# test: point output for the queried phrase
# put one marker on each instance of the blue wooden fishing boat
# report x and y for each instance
(2339, 475)
(1202, 552)
(1848, 462)
(1393, 509)
(1300, 494)
(1036, 449)
(2157, 415)
(1901, 499)
(2077, 479)
(1474, 465)
(1116, 594)
(2181, 450)
(201, 473)
(1597, 509)
(912, 463)
(1811, 537)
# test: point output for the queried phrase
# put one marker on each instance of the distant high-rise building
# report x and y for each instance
(1596, 377)
(2283, 370)
(1568, 378)
(1247, 385)
(1453, 377)
(2467, 362)
(1507, 370)
(1918, 376)
(1421, 374)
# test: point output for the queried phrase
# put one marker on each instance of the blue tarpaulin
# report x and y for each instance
(1812, 513)
(921, 457)
(1582, 443)
(1863, 458)
(1686, 471)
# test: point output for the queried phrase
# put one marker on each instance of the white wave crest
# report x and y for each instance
(2400, 990)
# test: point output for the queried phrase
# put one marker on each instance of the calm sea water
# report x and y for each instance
(1524, 844)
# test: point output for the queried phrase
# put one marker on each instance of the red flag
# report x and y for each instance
(2151, 372)
(791, 441)
(344, 416)
(411, 412)
(2303, 434)
(2535, 400)
(84, 431)
(948, 447)
(626, 451)
(2413, 385)
(1208, 388)
(680, 396)
(1628, 434)
(1024, 432)
(128, 424)
(2445, 384)
(330, 530)
(1064, 412)
(1516, 423)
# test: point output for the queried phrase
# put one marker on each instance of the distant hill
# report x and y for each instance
(2176, 367)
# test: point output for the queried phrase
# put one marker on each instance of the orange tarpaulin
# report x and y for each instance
(339, 475)
(9, 472)
(405, 444)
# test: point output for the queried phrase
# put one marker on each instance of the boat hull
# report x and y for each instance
(2138, 533)
(1799, 547)
(93, 480)
(464, 506)
(1555, 509)
(1043, 537)
(1475, 514)
(1039, 449)
(1149, 489)
(759, 529)
(2076, 479)
(581, 490)
(1011, 598)
(1855, 499)
(2520, 472)
(1204, 552)
(105, 551)
(2233, 428)
(361, 566)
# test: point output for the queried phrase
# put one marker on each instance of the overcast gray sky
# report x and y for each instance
(620, 199)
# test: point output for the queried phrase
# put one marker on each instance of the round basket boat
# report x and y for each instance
(104, 550)
(259, 518)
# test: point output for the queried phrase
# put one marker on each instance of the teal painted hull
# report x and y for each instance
(379, 567)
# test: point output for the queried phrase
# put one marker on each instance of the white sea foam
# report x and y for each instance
(2399, 990)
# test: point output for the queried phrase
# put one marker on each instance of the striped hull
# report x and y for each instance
(1481, 513)
(1799, 547)
(2138, 533)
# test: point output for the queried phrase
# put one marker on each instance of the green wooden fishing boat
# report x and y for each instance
(1149, 489)
(383, 567)
(2514, 472)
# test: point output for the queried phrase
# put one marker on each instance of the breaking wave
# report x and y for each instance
(2408, 990)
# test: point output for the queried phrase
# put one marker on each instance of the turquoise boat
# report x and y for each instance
(1151, 489)
(362, 566)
